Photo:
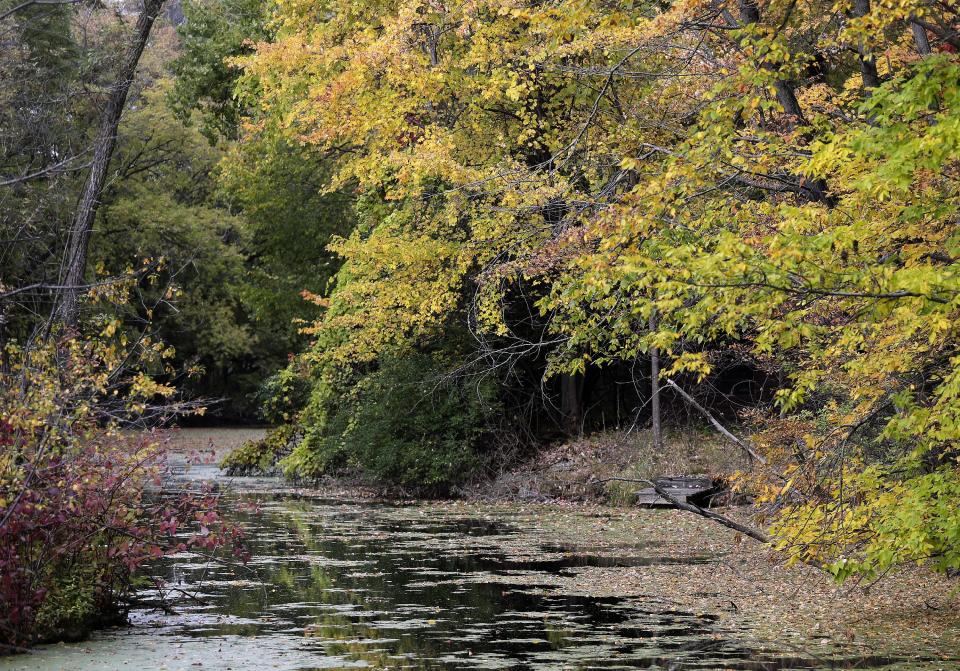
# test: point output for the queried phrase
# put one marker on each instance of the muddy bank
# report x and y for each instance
(744, 582)
(568, 488)
(585, 469)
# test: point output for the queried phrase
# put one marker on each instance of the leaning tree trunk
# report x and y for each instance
(74, 263)
(815, 189)
(920, 38)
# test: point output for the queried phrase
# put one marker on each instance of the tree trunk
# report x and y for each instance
(920, 38)
(655, 389)
(717, 425)
(786, 96)
(571, 403)
(868, 65)
(815, 190)
(74, 264)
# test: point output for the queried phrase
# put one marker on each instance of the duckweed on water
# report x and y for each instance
(345, 584)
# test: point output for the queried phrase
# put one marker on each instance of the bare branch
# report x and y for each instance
(717, 425)
(10, 181)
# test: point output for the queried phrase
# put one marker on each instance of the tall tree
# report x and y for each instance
(74, 264)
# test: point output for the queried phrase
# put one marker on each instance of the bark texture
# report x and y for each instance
(74, 264)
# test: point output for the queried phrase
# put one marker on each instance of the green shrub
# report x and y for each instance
(283, 395)
(70, 605)
(260, 457)
(403, 424)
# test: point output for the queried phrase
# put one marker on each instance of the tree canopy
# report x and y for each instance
(422, 236)
(774, 179)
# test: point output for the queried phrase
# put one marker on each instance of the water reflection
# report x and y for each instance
(335, 585)
(408, 588)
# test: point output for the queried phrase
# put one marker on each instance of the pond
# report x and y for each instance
(340, 583)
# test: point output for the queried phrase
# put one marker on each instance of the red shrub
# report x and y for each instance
(80, 507)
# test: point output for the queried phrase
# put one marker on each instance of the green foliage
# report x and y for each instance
(165, 205)
(734, 169)
(214, 31)
(48, 37)
(229, 224)
(884, 518)
(281, 189)
(70, 604)
(401, 424)
(283, 395)
(277, 187)
(260, 457)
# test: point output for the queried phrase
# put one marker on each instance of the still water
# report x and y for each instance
(338, 584)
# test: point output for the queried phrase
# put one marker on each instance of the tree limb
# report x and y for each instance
(30, 3)
(74, 262)
(756, 534)
(717, 425)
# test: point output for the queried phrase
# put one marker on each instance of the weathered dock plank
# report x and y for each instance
(692, 489)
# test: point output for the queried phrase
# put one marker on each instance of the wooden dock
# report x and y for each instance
(694, 489)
